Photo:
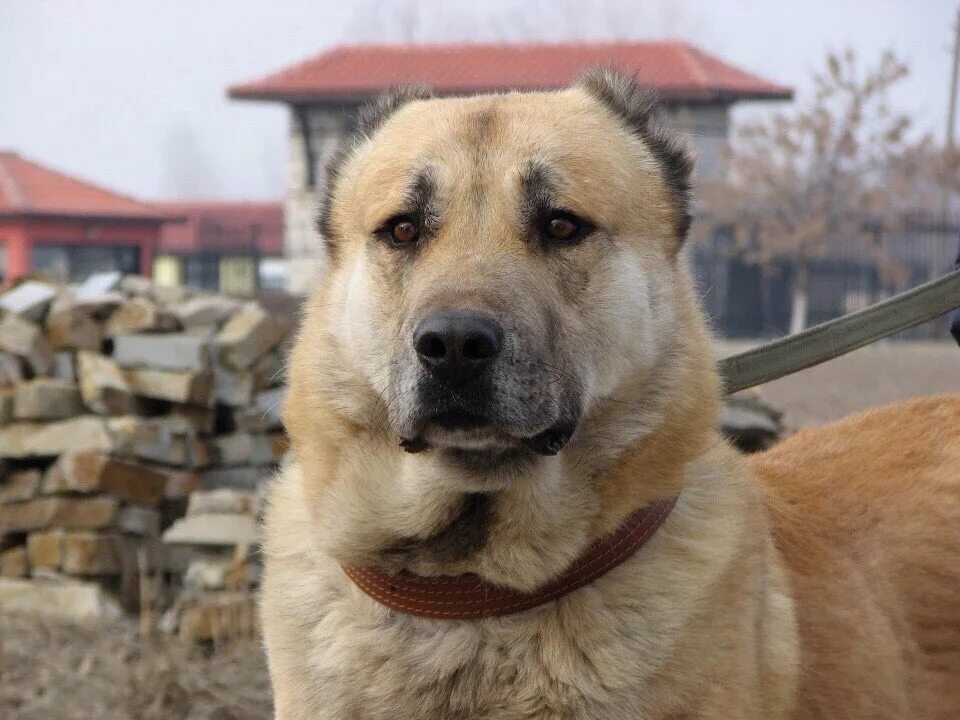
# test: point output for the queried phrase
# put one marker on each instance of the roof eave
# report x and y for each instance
(777, 94)
(84, 217)
(308, 97)
(298, 97)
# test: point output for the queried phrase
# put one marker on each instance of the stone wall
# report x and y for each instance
(302, 243)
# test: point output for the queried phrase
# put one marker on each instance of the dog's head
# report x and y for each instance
(503, 281)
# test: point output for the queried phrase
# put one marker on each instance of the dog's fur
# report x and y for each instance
(821, 579)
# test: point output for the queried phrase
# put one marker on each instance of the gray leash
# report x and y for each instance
(841, 335)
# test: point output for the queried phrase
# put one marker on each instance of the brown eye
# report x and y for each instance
(404, 232)
(561, 227)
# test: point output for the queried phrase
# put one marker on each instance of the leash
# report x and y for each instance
(837, 337)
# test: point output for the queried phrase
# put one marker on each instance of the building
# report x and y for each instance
(69, 228)
(226, 246)
(324, 92)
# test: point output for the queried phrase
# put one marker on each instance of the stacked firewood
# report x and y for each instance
(120, 399)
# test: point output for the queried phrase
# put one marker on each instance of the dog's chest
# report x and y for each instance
(532, 668)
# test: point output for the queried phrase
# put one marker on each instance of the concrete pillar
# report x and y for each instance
(146, 252)
(17, 244)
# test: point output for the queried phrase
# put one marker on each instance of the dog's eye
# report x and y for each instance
(403, 231)
(561, 228)
(565, 227)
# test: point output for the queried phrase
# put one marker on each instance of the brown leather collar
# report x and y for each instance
(466, 597)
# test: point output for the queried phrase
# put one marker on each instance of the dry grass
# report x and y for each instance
(61, 671)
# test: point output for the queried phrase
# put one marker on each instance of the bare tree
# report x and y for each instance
(810, 177)
(925, 178)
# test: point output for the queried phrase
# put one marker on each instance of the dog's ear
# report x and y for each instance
(370, 117)
(639, 109)
(374, 113)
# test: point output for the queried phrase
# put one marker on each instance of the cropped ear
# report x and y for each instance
(640, 111)
(370, 117)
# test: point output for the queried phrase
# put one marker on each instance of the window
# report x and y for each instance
(167, 270)
(273, 273)
(75, 263)
(238, 274)
(202, 271)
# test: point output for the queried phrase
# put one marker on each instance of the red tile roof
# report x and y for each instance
(677, 69)
(222, 226)
(28, 188)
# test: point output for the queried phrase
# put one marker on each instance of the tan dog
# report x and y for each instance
(504, 360)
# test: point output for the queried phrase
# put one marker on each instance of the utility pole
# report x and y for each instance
(952, 104)
(952, 107)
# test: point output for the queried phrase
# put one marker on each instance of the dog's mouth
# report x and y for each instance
(488, 423)
(553, 439)
(458, 419)
(474, 438)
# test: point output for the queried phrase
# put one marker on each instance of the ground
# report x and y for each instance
(62, 671)
(57, 671)
(870, 377)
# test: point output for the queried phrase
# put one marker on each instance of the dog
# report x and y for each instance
(502, 367)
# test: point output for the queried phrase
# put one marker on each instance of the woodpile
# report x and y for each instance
(218, 538)
(128, 410)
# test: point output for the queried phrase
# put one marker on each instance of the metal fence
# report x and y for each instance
(751, 300)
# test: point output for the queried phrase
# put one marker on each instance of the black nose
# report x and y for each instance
(456, 345)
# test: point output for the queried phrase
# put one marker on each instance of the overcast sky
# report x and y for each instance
(131, 93)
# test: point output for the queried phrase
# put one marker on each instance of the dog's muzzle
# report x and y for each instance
(471, 385)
